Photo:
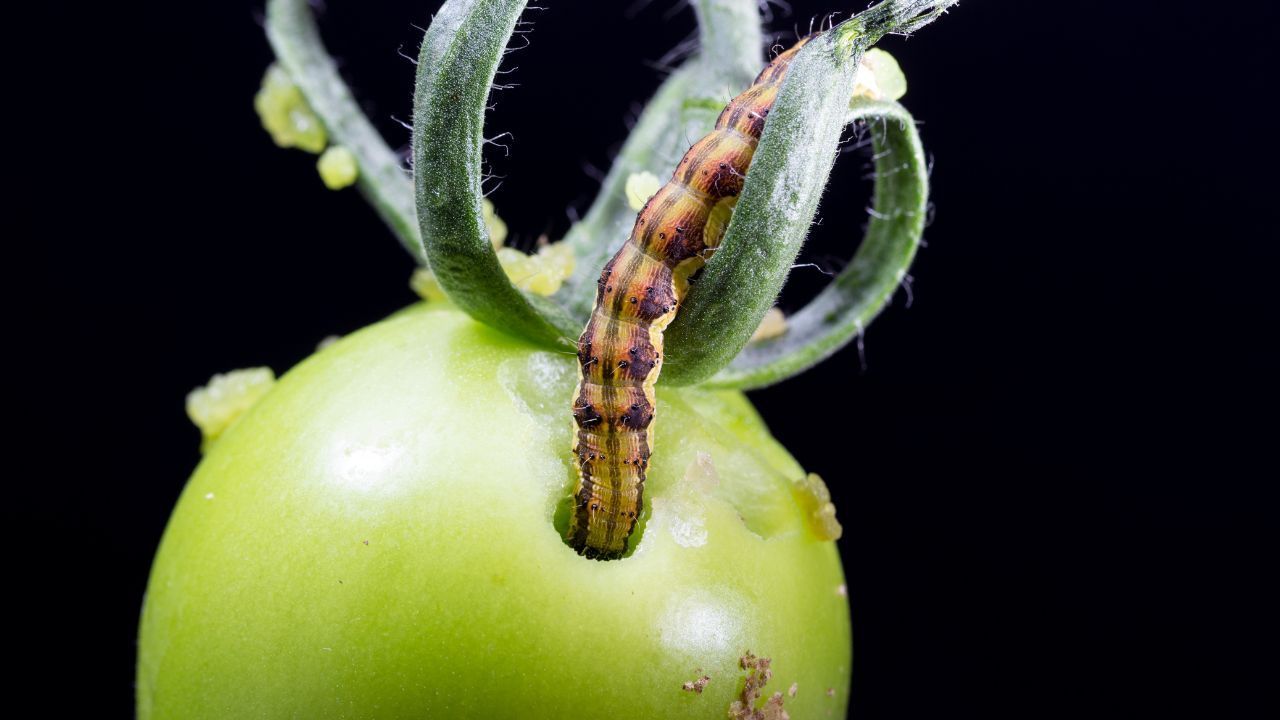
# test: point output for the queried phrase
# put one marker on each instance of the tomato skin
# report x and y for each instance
(375, 539)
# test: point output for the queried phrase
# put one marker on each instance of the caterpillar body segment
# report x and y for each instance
(638, 295)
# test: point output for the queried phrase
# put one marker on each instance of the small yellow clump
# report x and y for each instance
(820, 513)
(773, 325)
(718, 221)
(542, 273)
(338, 168)
(640, 187)
(495, 225)
(286, 115)
(216, 406)
(424, 284)
(879, 77)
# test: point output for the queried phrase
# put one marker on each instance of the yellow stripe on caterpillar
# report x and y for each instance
(638, 295)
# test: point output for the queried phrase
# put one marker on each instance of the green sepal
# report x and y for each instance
(777, 206)
(456, 67)
(843, 310)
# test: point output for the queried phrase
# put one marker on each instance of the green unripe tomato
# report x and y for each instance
(380, 537)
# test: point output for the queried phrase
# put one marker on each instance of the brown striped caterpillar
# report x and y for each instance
(620, 350)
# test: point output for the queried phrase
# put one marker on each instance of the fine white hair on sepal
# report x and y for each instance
(400, 51)
(904, 281)
(506, 148)
(860, 341)
(815, 266)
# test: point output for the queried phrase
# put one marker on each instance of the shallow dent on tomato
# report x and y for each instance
(697, 435)
(540, 385)
(759, 472)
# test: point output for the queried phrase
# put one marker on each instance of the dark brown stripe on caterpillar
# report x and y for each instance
(638, 295)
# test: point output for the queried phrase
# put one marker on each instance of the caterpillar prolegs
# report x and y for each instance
(639, 293)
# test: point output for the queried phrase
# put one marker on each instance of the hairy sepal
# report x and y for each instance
(456, 67)
(844, 309)
(777, 205)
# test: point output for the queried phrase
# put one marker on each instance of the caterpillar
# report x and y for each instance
(637, 297)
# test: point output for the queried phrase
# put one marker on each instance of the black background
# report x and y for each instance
(1050, 467)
